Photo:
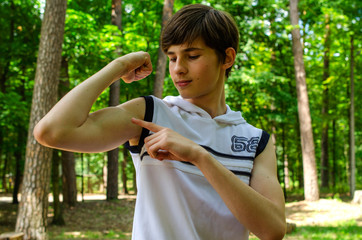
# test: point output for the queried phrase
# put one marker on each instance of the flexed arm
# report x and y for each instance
(70, 126)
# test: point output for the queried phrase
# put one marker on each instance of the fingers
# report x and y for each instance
(156, 144)
(148, 125)
(139, 66)
(143, 70)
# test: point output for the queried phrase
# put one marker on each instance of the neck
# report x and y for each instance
(213, 105)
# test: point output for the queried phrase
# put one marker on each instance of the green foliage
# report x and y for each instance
(13, 112)
(261, 85)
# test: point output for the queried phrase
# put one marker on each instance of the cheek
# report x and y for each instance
(208, 71)
(171, 73)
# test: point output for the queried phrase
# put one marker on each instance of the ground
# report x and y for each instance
(323, 212)
(100, 219)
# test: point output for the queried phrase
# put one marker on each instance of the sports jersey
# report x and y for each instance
(174, 199)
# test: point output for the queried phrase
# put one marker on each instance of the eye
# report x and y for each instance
(172, 59)
(194, 57)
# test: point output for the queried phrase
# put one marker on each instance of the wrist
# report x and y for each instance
(202, 156)
(120, 67)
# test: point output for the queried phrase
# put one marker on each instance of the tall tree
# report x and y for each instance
(69, 178)
(33, 208)
(311, 190)
(352, 157)
(325, 106)
(58, 213)
(162, 58)
(114, 93)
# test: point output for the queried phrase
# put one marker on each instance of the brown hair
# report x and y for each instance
(215, 27)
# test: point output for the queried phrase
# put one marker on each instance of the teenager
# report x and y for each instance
(202, 171)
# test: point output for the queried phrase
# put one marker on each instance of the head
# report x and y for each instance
(216, 28)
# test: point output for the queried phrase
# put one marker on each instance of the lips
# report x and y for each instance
(183, 83)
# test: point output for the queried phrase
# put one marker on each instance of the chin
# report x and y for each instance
(185, 95)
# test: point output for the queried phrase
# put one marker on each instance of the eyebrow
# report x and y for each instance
(186, 50)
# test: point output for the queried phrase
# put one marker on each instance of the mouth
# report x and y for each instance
(183, 83)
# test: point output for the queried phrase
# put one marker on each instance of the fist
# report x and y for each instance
(138, 66)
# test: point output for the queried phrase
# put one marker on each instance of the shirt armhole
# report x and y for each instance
(145, 132)
(262, 143)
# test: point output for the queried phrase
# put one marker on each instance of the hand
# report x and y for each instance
(168, 144)
(139, 66)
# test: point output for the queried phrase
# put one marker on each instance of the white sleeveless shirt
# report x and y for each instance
(174, 199)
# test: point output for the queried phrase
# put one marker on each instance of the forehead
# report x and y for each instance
(197, 44)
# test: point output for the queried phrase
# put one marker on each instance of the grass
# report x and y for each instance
(99, 219)
(90, 235)
(348, 230)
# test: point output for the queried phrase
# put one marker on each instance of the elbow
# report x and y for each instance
(276, 233)
(279, 232)
(40, 134)
(44, 135)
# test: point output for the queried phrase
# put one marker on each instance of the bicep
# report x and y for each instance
(106, 129)
(264, 178)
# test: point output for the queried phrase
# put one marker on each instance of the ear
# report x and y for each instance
(230, 58)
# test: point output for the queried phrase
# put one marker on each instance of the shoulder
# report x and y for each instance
(258, 137)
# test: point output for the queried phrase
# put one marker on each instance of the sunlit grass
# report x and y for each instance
(348, 230)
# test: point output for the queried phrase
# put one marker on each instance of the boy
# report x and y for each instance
(202, 171)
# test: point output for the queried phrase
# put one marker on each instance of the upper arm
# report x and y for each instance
(264, 178)
(103, 130)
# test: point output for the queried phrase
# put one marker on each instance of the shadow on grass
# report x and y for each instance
(92, 219)
(90, 235)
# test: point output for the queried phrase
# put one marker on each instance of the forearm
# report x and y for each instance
(257, 213)
(73, 109)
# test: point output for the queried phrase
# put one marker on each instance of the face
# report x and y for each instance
(196, 70)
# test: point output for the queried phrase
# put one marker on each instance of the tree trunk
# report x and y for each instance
(334, 158)
(162, 58)
(124, 173)
(33, 208)
(112, 163)
(352, 156)
(117, 14)
(5, 167)
(20, 150)
(112, 177)
(325, 108)
(58, 216)
(19, 157)
(89, 178)
(114, 93)
(285, 161)
(311, 191)
(69, 178)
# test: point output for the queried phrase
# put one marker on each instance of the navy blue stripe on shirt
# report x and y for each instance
(224, 155)
(219, 154)
(262, 143)
(236, 172)
(145, 132)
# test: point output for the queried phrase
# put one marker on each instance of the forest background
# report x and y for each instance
(262, 85)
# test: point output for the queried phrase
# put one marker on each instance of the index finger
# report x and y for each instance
(148, 125)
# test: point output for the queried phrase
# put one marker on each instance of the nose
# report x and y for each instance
(180, 67)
